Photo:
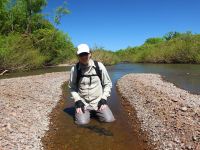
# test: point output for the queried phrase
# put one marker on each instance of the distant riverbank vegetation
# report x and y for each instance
(174, 47)
(105, 56)
(99, 53)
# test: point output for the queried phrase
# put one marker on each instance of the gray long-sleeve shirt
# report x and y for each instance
(90, 94)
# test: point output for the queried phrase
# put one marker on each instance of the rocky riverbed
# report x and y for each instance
(25, 105)
(170, 116)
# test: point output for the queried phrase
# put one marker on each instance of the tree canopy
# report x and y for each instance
(27, 36)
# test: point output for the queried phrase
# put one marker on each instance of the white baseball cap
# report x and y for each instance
(83, 48)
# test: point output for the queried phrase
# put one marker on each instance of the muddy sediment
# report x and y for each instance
(25, 104)
(169, 116)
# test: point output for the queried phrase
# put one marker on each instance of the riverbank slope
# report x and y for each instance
(169, 115)
(25, 104)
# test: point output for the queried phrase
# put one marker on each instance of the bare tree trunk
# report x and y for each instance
(29, 15)
(3, 72)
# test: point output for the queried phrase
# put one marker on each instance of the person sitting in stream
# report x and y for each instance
(90, 86)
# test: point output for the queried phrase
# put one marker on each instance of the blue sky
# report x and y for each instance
(116, 24)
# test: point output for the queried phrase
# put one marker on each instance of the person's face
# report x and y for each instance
(84, 57)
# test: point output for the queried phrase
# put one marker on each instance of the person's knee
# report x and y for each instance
(109, 119)
(81, 119)
(82, 122)
(106, 115)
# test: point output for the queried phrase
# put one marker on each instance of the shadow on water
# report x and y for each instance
(70, 111)
(98, 130)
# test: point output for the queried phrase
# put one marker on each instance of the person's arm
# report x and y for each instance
(72, 85)
(106, 82)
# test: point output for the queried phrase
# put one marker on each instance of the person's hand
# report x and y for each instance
(103, 107)
(102, 104)
(79, 105)
(79, 111)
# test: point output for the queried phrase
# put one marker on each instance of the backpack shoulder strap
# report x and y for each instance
(78, 71)
(98, 71)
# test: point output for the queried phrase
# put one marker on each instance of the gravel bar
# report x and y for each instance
(169, 115)
(25, 105)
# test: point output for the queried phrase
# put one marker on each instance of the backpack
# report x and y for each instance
(79, 73)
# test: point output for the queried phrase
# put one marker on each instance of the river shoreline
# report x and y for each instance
(135, 123)
(25, 104)
(49, 140)
(169, 115)
(25, 128)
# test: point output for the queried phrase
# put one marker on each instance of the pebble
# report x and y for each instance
(174, 100)
(183, 108)
(25, 104)
(157, 104)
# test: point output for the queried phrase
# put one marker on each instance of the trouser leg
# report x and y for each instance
(83, 118)
(105, 115)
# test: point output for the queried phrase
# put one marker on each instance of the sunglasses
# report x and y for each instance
(83, 54)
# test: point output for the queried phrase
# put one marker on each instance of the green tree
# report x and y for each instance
(27, 39)
(3, 14)
(60, 12)
(33, 7)
(153, 40)
(171, 35)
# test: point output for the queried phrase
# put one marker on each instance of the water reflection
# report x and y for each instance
(185, 76)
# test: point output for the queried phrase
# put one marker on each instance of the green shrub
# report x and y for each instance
(54, 44)
(107, 57)
(17, 53)
(179, 48)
